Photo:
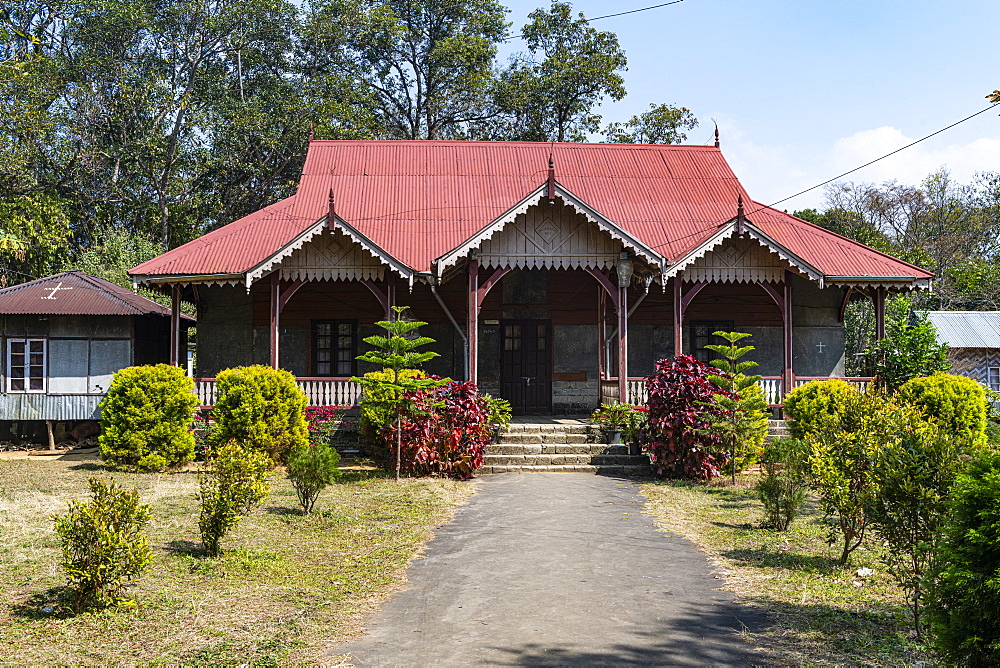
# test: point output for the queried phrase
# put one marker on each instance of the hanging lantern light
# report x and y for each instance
(625, 268)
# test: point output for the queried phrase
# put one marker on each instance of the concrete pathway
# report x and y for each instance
(558, 570)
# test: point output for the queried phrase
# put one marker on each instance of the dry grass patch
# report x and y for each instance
(287, 587)
(823, 614)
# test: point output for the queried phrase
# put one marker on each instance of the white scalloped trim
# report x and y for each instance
(509, 216)
(915, 284)
(797, 263)
(453, 256)
(275, 259)
(311, 233)
(757, 235)
(712, 243)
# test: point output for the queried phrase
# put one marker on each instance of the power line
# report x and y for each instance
(635, 11)
(608, 16)
(914, 143)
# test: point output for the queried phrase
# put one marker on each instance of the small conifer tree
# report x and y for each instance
(397, 352)
(740, 415)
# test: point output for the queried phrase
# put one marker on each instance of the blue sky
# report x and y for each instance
(804, 90)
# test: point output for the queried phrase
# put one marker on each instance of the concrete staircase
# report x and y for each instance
(564, 447)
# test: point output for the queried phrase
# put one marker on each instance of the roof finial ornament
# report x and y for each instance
(331, 215)
(310, 130)
(552, 180)
(740, 215)
(716, 133)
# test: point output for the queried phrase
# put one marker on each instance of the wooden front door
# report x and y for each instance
(525, 365)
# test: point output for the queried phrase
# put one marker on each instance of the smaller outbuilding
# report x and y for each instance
(63, 337)
(973, 340)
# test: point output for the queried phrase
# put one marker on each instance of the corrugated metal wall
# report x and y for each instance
(49, 407)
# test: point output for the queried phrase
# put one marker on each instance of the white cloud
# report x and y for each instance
(915, 163)
(773, 172)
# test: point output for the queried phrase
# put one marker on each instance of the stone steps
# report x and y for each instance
(642, 470)
(560, 448)
(777, 429)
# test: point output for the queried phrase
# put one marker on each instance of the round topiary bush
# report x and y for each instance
(146, 418)
(262, 409)
(816, 404)
(957, 403)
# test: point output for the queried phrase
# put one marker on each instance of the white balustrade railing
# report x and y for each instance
(320, 391)
(638, 395)
(772, 390)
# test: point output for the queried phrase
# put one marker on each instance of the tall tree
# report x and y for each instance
(426, 64)
(550, 93)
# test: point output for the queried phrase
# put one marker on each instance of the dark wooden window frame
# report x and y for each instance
(334, 347)
(698, 350)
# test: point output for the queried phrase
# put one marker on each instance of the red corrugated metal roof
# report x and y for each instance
(420, 199)
(75, 293)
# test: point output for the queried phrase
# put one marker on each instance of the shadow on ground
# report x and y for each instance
(701, 637)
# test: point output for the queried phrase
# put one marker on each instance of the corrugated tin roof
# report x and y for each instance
(967, 329)
(420, 199)
(75, 293)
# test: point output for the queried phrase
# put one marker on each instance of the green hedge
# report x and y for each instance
(957, 403)
(818, 403)
(146, 418)
(262, 409)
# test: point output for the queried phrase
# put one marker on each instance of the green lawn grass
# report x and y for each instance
(823, 614)
(287, 587)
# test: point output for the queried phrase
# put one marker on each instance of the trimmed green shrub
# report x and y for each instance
(378, 409)
(819, 404)
(964, 592)
(311, 469)
(261, 408)
(103, 547)
(146, 418)
(782, 487)
(236, 483)
(957, 403)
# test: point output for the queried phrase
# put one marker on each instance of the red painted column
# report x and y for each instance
(786, 315)
(602, 335)
(473, 322)
(175, 325)
(275, 314)
(622, 346)
(678, 316)
(880, 313)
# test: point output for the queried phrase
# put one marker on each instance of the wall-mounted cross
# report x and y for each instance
(53, 291)
(820, 345)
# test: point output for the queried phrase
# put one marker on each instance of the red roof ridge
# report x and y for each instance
(542, 144)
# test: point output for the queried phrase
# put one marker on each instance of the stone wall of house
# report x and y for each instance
(226, 336)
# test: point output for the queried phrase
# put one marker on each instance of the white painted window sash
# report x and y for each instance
(21, 373)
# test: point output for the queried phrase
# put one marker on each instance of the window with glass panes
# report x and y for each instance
(26, 365)
(993, 376)
(702, 335)
(335, 346)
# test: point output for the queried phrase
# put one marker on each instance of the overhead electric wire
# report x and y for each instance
(872, 162)
(608, 16)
